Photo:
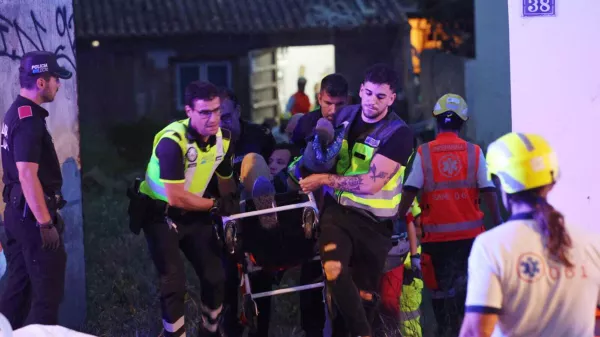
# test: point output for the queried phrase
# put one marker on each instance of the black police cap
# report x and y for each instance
(39, 62)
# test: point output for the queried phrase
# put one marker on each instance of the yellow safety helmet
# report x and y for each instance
(454, 103)
(522, 162)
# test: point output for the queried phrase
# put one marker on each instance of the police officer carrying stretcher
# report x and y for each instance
(32, 184)
(173, 206)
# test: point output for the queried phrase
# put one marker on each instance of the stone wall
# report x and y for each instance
(29, 25)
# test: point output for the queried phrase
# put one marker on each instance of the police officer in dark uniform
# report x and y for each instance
(179, 203)
(32, 181)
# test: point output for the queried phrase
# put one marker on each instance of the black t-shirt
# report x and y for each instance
(172, 163)
(397, 148)
(253, 139)
(25, 138)
(304, 128)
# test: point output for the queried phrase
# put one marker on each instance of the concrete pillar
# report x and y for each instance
(556, 93)
(29, 25)
(487, 77)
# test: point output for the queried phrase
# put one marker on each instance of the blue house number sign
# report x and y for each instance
(539, 8)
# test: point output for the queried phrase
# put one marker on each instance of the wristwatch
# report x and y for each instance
(215, 207)
(45, 225)
(415, 256)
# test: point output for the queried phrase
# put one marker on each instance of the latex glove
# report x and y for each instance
(415, 263)
(50, 236)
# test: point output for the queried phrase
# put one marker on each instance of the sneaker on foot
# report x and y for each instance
(263, 195)
(324, 132)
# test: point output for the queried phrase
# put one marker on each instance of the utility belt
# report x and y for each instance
(145, 210)
(13, 197)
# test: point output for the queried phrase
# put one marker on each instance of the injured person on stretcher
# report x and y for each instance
(274, 232)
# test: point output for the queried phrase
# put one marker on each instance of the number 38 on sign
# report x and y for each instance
(539, 7)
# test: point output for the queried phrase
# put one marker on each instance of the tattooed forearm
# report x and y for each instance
(374, 174)
(349, 183)
(368, 183)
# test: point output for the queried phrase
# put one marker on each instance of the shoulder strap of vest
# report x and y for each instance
(175, 131)
(385, 128)
(346, 114)
(226, 135)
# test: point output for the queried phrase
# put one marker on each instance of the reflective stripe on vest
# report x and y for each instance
(383, 204)
(450, 193)
(199, 165)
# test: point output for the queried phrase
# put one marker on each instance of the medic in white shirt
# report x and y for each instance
(533, 275)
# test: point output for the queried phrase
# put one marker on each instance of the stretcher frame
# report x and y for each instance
(249, 307)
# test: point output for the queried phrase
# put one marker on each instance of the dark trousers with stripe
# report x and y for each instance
(450, 264)
(200, 246)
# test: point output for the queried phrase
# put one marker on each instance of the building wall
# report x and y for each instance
(48, 25)
(139, 79)
(357, 50)
(488, 77)
(556, 93)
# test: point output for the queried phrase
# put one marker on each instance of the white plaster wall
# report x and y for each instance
(554, 66)
(318, 62)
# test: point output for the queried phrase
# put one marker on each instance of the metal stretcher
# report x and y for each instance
(291, 243)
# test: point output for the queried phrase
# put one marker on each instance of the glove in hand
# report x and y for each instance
(415, 263)
(227, 205)
(50, 236)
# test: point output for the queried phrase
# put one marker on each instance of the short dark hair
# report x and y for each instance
(294, 150)
(335, 85)
(449, 121)
(199, 90)
(226, 93)
(28, 81)
(382, 74)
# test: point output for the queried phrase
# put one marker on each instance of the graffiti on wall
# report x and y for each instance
(35, 38)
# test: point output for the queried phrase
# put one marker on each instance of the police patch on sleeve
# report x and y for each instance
(24, 111)
(191, 154)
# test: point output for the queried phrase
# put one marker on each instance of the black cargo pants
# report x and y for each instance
(202, 248)
(353, 249)
(35, 277)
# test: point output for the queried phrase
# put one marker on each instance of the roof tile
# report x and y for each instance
(138, 18)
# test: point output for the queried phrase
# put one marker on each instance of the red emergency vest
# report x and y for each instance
(450, 199)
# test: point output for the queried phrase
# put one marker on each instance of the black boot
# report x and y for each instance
(207, 324)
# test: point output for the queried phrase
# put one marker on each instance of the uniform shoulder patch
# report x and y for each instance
(266, 130)
(25, 111)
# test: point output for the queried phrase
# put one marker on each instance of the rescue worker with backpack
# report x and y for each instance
(452, 175)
